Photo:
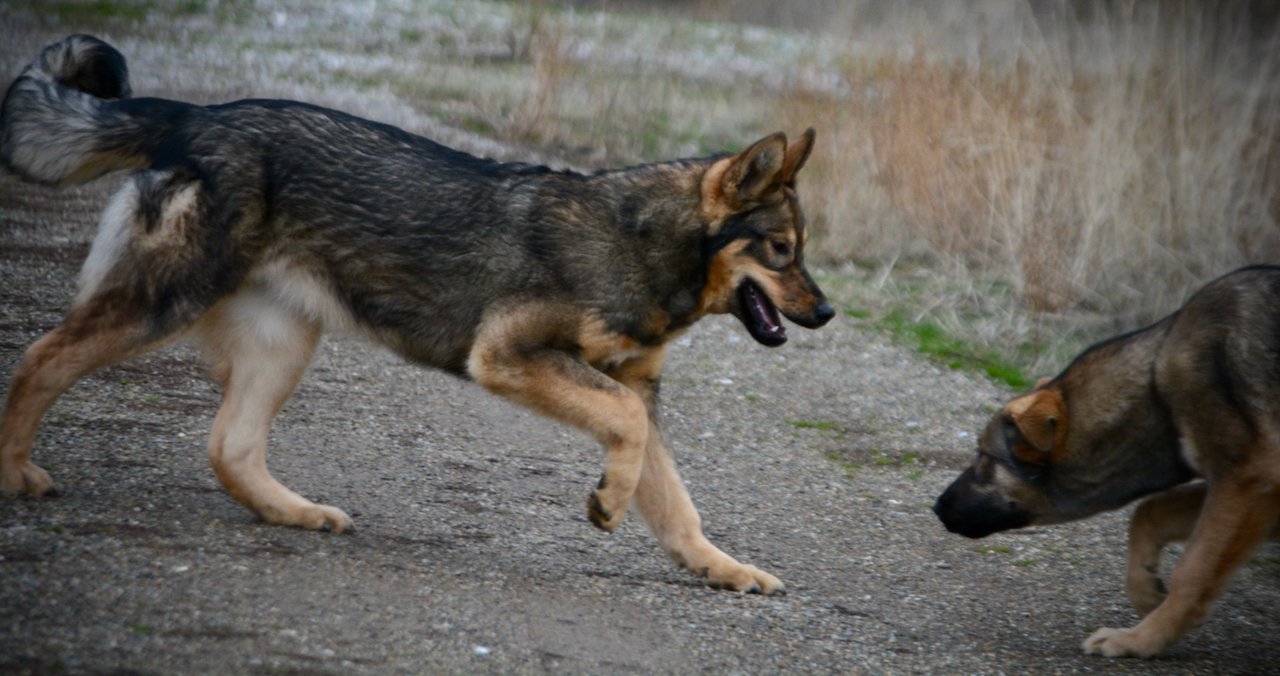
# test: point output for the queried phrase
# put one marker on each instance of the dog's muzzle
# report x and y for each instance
(967, 511)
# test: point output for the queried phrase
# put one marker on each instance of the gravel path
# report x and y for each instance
(817, 461)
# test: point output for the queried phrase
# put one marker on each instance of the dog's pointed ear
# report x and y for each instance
(756, 172)
(1041, 422)
(739, 182)
(797, 154)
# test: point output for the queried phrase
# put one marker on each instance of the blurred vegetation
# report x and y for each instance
(998, 182)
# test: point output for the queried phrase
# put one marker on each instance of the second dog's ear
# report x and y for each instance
(1041, 422)
(797, 154)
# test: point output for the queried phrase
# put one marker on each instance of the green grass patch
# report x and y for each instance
(100, 10)
(905, 460)
(850, 468)
(933, 341)
(133, 11)
(814, 425)
(998, 549)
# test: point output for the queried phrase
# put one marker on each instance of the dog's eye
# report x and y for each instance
(781, 247)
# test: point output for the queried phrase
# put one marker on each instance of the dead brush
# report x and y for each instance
(1108, 166)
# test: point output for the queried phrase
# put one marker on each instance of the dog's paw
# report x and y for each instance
(331, 519)
(1120, 643)
(607, 504)
(26, 478)
(311, 517)
(742, 577)
(602, 517)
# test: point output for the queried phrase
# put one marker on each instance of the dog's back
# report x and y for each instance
(349, 221)
(1219, 370)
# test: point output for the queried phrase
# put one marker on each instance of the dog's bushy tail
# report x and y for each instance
(63, 121)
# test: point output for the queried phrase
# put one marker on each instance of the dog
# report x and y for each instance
(251, 227)
(1186, 410)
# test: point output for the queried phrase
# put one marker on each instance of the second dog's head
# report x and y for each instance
(1089, 441)
(1004, 486)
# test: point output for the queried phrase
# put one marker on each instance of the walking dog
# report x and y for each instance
(1193, 396)
(252, 226)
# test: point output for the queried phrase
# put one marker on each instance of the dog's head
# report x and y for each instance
(1091, 440)
(1006, 486)
(755, 240)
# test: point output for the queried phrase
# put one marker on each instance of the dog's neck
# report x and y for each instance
(644, 221)
(1122, 441)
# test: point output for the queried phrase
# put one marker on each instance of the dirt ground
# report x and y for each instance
(817, 461)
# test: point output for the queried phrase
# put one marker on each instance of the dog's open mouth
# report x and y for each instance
(759, 315)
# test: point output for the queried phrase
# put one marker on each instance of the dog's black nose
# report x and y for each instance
(823, 313)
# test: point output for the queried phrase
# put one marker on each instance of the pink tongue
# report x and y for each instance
(767, 325)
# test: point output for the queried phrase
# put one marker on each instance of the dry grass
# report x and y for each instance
(1106, 165)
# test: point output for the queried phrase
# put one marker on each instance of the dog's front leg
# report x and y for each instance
(559, 384)
(1163, 518)
(667, 508)
(1239, 511)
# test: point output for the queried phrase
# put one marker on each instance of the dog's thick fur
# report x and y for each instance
(1194, 396)
(251, 227)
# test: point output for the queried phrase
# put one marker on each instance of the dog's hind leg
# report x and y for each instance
(666, 506)
(1161, 519)
(261, 351)
(98, 332)
(147, 278)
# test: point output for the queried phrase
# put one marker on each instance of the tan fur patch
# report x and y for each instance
(723, 276)
(714, 207)
(1041, 417)
(176, 219)
(96, 333)
(262, 349)
(605, 349)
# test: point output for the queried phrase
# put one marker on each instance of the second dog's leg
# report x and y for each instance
(1239, 511)
(1159, 520)
(262, 357)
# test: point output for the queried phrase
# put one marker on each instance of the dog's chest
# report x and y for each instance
(1191, 455)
